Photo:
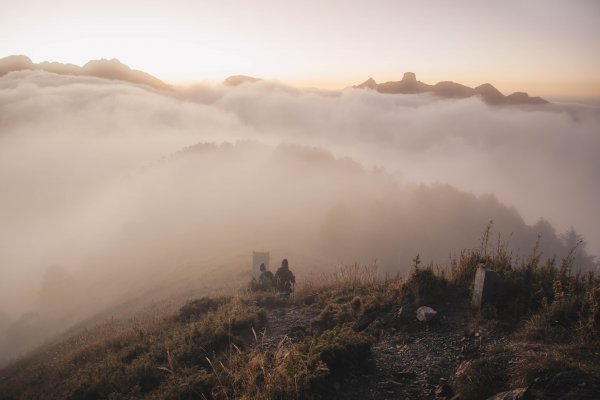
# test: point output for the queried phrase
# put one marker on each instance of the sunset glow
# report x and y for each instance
(548, 48)
(273, 199)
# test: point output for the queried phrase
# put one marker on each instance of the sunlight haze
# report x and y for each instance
(546, 48)
(150, 149)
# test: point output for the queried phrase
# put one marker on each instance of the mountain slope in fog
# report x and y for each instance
(448, 89)
(189, 223)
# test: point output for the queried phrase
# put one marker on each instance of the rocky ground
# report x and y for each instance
(413, 359)
(417, 364)
(288, 324)
(412, 363)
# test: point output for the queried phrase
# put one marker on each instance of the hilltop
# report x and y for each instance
(352, 334)
(447, 89)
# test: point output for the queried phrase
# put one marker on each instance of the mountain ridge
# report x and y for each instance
(102, 68)
(116, 70)
(448, 89)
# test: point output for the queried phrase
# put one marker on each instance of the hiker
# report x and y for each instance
(284, 279)
(266, 278)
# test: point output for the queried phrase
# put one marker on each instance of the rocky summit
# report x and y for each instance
(448, 89)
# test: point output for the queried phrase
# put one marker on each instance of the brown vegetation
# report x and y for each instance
(545, 320)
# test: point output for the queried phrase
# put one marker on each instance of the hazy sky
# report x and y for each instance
(545, 47)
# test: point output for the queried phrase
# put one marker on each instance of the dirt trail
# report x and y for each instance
(414, 363)
(418, 362)
(292, 323)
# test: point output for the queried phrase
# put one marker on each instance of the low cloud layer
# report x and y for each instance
(110, 190)
(541, 159)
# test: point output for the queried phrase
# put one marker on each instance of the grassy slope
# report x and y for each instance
(211, 347)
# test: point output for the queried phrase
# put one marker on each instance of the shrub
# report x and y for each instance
(575, 305)
(424, 287)
(462, 271)
(334, 314)
(297, 371)
(341, 349)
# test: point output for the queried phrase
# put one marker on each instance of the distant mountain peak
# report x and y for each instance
(103, 68)
(368, 84)
(490, 94)
(114, 61)
(15, 63)
(487, 86)
(409, 77)
(522, 97)
(449, 89)
(236, 80)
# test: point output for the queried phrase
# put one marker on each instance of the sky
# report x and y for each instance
(544, 47)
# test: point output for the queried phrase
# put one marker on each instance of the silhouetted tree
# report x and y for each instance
(582, 261)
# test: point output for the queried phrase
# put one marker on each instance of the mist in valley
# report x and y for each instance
(116, 193)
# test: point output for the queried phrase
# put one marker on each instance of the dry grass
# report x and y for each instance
(349, 278)
(210, 347)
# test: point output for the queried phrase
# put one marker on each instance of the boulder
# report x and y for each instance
(425, 314)
(484, 288)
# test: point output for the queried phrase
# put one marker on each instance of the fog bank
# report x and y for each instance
(112, 191)
(541, 159)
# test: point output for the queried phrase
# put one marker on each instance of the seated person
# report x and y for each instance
(284, 279)
(266, 278)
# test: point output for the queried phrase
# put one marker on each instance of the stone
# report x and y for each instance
(425, 314)
(484, 288)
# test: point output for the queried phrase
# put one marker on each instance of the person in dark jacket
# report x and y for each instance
(284, 279)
